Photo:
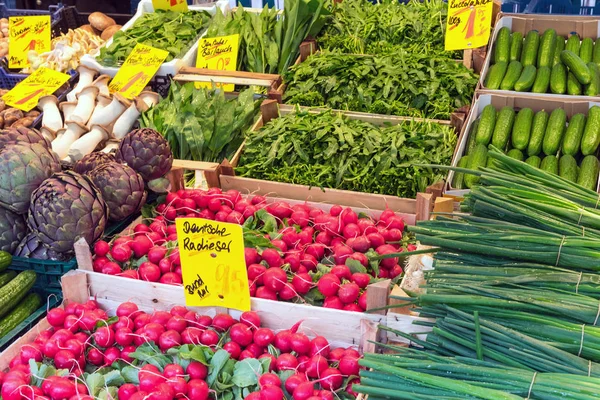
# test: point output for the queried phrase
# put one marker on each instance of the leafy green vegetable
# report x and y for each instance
(270, 43)
(201, 124)
(172, 31)
(411, 84)
(330, 150)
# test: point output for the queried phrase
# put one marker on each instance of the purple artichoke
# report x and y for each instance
(147, 152)
(22, 134)
(32, 247)
(12, 230)
(91, 161)
(122, 188)
(23, 167)
(65, 208)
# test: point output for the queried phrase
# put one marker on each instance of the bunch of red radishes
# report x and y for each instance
(325, 257)
(83, 338)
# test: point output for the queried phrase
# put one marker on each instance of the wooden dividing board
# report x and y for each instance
(203, 171)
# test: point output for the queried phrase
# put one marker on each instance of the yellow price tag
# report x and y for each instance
(25, 34)
(137, 70)
(25, 94)
(173, 5)
(218, 53)
(468, 24)
(213, 265)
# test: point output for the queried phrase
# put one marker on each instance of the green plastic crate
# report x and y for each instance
(48, 272)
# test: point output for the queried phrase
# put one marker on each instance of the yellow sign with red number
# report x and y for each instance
(468, 24)
(42, 82)
(173, 5)
(25, 34)
(213, 265)
(137, 70)
(218, 53)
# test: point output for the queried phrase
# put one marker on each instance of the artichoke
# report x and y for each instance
(122, 188)
(23, 167)
(147, 152)
(22, 134)
(12, 230)
(91, 161)
(64, 209)
(32, 247)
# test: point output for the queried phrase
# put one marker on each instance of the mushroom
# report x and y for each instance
(87, 143)
(107, 115)
(67, 109)
(48, 133)
(127, 119)
(101, 83)
(51, 118)
(59, 133)
(150, 98)
(62, 143)
(86, 102)
(110, 146)
(101, 102)
(86, 77)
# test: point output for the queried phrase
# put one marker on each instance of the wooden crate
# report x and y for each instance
(203, 171)
(340, 328)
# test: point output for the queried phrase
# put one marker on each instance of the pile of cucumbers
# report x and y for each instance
(545, 63)
(544, 139)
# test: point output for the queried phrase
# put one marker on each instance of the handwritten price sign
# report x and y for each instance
(173, 5)
(137, 70)
(213, 265)
(218, 53)
(25, 34)
(42, 82)
(468, 24)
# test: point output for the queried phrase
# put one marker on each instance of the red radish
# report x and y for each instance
(31, 351)
(309, 262)
(340, 253)
(333, 302)
(264, 293)
(376, 239)
(362, 301)
(123, 336)
(73, 345)
(235, 217)
(360, 244)
(171, 278)
(272, 258)
(101, 248)
(149, 271)
(176, 323)
(393, 235)
(251, 255)
(126, 391)
(302, 283)
(342, 272)
(304, 391)
(258, 200)
(64, 359)
(287, 361)
(56, 317)
(233, 349)
(300, 343)
(294, 381)
(287, 293)
(251, 319)
(335, 210)
(300, 218)
(262, 337)
(349, 366)
(169, 339)
(256, 273)
(348, 293)
(111, 268)
(140, 246)
(121, 253)
(283, 341)
(353, 307)
(348, 216)
(328, 285)
(316, 366)
(197, 370)
(173, 370)
(111, 355)
(387, 262)
(279, 210)
(191, 335)
(249, 211)
(323, 238)
(280, 244)
(241, 334)
(156, 254)
(316, 250)
(319, 345)
(98, 263)
(331, 379)
(269, 379)
(271, 392)
(366, 226)
(127, 309)
(165, 265)
(130, 273)
(222, 322)
(209, 338)
(246, 354)
(351, 231)
(255, 349)
(361, 279)
(104, 336)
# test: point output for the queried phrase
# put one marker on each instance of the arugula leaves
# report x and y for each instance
(333, 151)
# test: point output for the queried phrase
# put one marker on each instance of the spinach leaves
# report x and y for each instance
(330, 150)
(202, 124)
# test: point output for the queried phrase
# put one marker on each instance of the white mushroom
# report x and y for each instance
(87, 143)
(101, 83)
(62, 143)
(48, 133)
(110, 146)
(51, 115)
(150, 98)
(86, 102)
(101, 102)
(86, 77)
(128, 118)
(111, 112)
(59, 133)
(67, 109)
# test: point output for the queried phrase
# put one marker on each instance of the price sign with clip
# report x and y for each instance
(213, 265)
(173, 5)
(468, 24)
(25, 34)
(42, 82)
(218, 53)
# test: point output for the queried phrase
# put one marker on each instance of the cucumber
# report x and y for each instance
(530, 48)
(495, 75)
(512, 75)
(516, 154)
(567, 167)
(542, 80)
(588, 173)
(477, 159)
(573, 44)
(487, 123)
(546, 51)
(591, 133)
(576, 66)
(538, 130)
(6, 277)
(534, 161)
(522, 128)
(459, 177)
(526, 79)
(554, 132)
(586, 50)
(594, 86)
(573, 85)
(20, 313)
(516, 44)
(503, 128)
(472, 135)
(550, 164)
(560, 46)
(558, 79)
(502, 46)
(15, 290)
(596, 53)
(5, 260)
(573, 135)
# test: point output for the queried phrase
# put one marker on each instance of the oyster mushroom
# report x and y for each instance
(88, 142)
(86, 78)
(127, 119)
(63, 143)
(86, 102)
(150, 98)
(107, 115)
(101, 102)
(67, 109)
(48, 133)
(51, 118)
(101, 83)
